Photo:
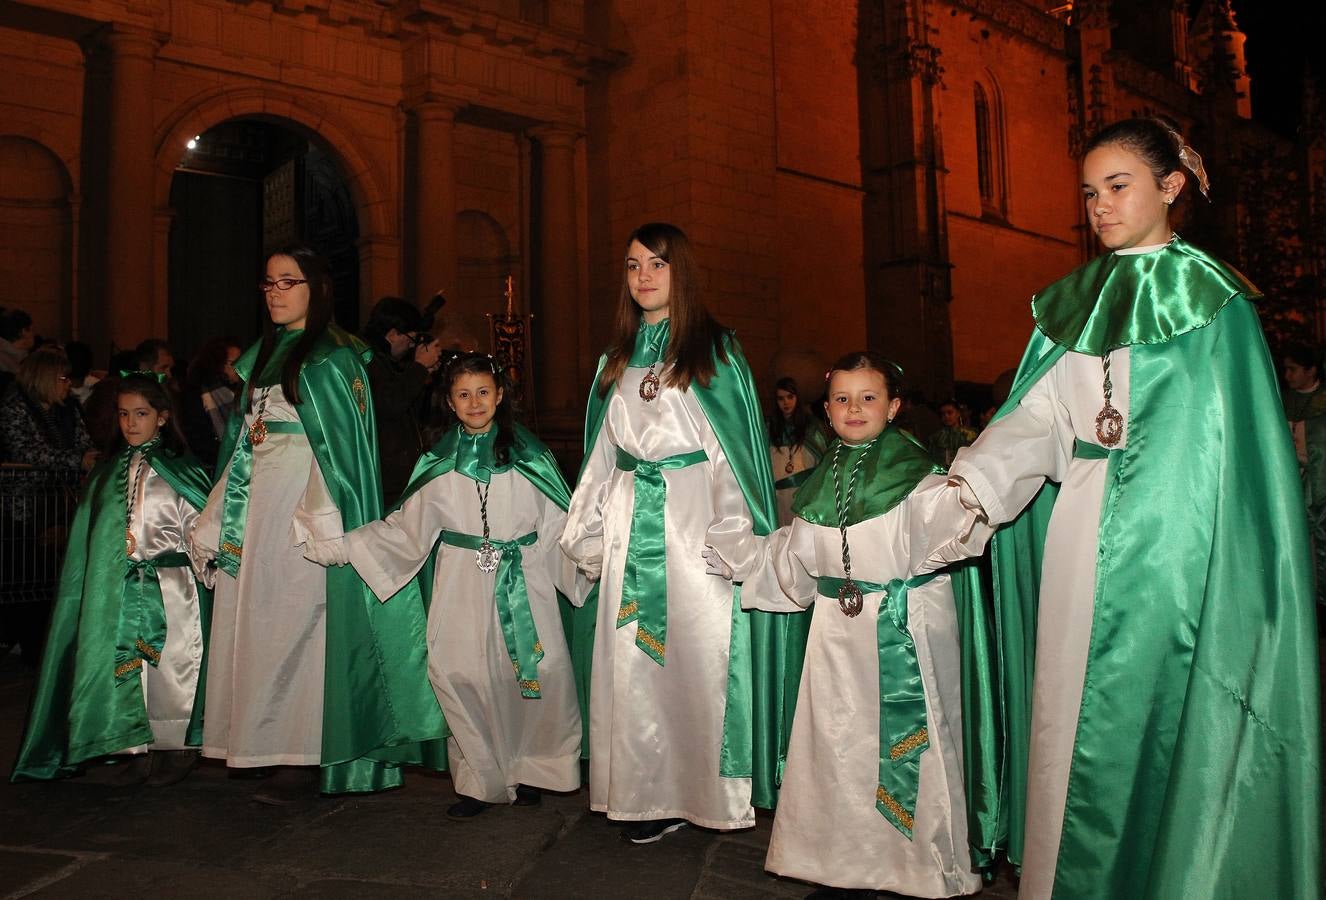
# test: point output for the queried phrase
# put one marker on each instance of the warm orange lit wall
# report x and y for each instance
(821, 289)
(997, 265)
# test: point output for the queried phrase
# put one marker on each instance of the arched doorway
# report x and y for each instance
(36, 245)
(241, 189)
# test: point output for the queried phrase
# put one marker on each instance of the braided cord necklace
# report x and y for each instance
(131, 496)
(850, 599)
(487, 556)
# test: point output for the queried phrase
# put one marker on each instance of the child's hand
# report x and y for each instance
(330, 552)
(714, 564)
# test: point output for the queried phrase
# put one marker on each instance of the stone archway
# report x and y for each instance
(36, 235)
(365, 175)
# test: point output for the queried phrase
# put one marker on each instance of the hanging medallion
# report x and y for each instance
(1109, 425)
(257, 432)
(788, 467)
(649, 386)
(850, 599)
(487, 558)
(130, 542)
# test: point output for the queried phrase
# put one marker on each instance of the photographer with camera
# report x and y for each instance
(404, 358)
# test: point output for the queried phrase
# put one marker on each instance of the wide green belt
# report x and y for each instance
(1087, 450)
(903, 732)
(141, 633)
(795, 480)
(512, 598)
(645, 582)
(235, 499)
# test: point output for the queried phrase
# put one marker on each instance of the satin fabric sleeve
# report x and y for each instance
(1013, 457)
(784, 576)
(566, 577)
(582, 538)
(204, 532)
(390, 552)
(941, 528)
(316, 517)
(731, 529)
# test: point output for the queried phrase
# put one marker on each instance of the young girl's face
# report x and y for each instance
(139, 422)
(474, 398)
(287, 306)
(787, 402)
(649, 280)
(1125, 205)
(859, 405)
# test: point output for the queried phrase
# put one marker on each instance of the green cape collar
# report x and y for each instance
(472, 456)
(893, 466)
(1140, 298)
(651, 342)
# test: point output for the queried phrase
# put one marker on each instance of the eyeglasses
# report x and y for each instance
(284, 284)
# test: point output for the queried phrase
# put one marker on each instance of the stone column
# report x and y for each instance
(435, 193)
(130, 241)
(557, 328)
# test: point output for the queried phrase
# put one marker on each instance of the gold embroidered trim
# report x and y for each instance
(143, 647)
(627, 610)
(538, 646)
(361, 395)
(893, 806)
(232, 549)
(124, 668)
(530, 684)
(908, 744)
(649, 640)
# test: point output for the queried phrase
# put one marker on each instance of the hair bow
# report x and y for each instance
(160, 377)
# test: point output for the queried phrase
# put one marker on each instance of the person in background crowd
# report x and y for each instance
(16, 340)
(81, 377)
(956, 433)
(154, 355)
(209, 396)
(796, 443)
(1304, 399)
(404, 357)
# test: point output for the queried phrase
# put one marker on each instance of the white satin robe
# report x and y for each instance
(499, 738)
(827, 829)
(1004, 469)
(656, 732)
(161, 523)
(268, 644)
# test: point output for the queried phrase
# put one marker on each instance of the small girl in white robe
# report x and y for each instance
(872, 795)
(485, 509)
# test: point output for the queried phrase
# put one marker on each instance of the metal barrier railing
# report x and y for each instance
(36, 507)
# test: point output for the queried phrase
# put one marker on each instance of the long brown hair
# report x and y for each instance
(696, 338)
(314, 269)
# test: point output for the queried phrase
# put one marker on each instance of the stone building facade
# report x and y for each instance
(900, 174)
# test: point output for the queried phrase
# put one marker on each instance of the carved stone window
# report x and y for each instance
(990, 171)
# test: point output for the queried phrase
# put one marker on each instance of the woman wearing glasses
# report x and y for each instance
(305, 667)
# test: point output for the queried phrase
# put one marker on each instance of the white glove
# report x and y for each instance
(714, 564)
(328, 552)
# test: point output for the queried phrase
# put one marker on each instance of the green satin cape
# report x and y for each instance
(78, 710)
(1196, 770)
(895, 464)
(378, 704)
(764, 662)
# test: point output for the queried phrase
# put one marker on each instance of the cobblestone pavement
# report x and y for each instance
(205, 838)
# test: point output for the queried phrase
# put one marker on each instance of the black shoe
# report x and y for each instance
(132, 773)
(527, 796)
(650, 831)
(832, 893)
(171, 766)
(288, 786)
(467, 808)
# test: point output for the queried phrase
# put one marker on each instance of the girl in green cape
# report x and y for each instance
(482, 517)
(307, 672)
(1153, 577)
(125, 647)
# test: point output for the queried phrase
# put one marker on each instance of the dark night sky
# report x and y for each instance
(1281, 35)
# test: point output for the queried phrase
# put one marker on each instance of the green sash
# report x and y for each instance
(795, 480)
(141, 634)
(235, 507)
(512, 599)
(645, 582)
(903, 735)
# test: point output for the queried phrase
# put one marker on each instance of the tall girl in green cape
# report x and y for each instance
(125, 648)
(685, 698)
(306, 668)
(1154, 583)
